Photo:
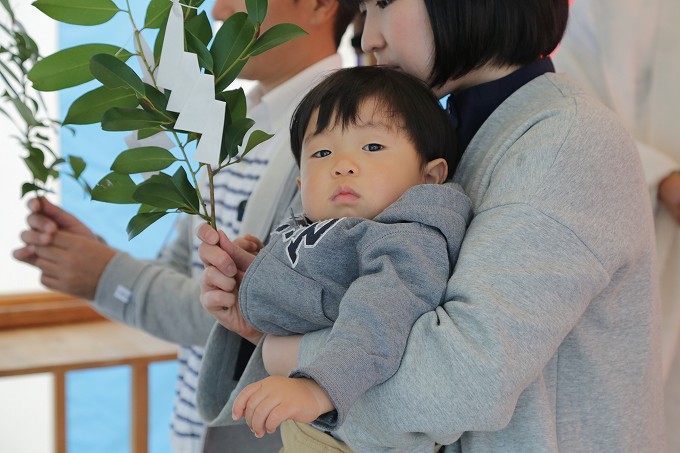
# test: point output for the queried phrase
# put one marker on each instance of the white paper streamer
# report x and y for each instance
(192, 116)
(208, 149)
(161, 139)
(187, 75)
(192, 92)
(173, 47)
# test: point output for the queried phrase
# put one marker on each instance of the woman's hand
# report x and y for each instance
(219, 297)
(225, 263)
(669, 194)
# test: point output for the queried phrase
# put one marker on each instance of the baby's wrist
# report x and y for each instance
(322, 399)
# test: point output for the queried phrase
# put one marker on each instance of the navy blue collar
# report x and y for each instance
(471, 107)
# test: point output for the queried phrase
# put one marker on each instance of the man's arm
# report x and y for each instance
(158, 297)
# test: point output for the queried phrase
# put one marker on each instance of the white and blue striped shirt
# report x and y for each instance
(233, 186)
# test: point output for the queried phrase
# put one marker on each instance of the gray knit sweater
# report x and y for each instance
(549, 339)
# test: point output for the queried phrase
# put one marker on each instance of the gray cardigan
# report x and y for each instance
(550, 337)
(369, 279)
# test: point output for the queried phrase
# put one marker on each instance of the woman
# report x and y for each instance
(548, 339)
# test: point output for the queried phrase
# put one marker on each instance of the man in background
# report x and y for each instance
(162, 297)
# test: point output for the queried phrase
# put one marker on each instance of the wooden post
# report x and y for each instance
(140, 408)
(60, 411)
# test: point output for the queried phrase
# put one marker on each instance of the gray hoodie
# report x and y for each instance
(368, 279)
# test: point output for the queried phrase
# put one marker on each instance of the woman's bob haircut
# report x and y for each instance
(469, 34)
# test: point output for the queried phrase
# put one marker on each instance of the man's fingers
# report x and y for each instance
(34, 237)
(41, 223)
(24, 254)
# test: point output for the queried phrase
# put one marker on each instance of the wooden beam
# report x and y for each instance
(43, 309)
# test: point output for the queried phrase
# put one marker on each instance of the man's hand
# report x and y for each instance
(72, 263)
(267, 403)
(68, 253)
(669, 194)
(44, 221)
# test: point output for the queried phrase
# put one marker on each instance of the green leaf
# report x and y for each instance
(113, 73)
(115, 188)
(233, 137)
(143, 159)
(195, 45)
(228, 77)
(157, 13)
(77, 165)
(141, 222)
(187, 190)
(199, 26)
(158, 100)
(78, 12)
(122, 119)
(5, 4)
(257, 10)
(70, 67)
(90, 107)
(27, 48)
(29, 187)
(161, 192)
(146, 133)
(146, 208)
(36, 164)
(236, 102)
(277, 35)
(230, 43)
(25, 112)
(255, 139)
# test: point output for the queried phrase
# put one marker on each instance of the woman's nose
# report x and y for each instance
(371, 39)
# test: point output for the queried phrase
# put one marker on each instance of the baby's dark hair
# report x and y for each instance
(407, 101)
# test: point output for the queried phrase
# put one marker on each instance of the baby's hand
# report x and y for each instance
(267, 403)
(249, 243)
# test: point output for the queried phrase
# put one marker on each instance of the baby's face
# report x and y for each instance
(357, 171)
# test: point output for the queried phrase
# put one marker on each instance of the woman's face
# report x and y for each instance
(399, 34)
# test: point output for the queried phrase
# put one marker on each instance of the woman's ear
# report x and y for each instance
(435, 171)
(299, 183)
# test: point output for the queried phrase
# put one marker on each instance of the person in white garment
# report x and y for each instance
(162, 297)
(636, 75)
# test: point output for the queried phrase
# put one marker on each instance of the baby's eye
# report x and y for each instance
(322, 153)
(373, 147)
(382, 4)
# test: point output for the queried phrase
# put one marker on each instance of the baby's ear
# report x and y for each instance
(299, 183)
(436, 171)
